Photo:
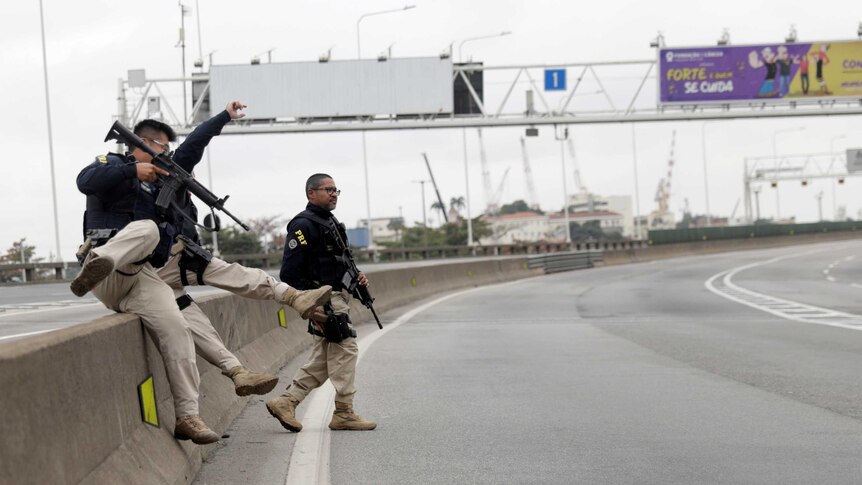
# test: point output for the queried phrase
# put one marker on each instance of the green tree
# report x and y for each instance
(13, 255)
(397, 225)
(269, 230)
(457, 204)
(233, 240)
(438, 206)
(517, 206)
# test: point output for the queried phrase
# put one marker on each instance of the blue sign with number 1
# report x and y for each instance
(555, 79)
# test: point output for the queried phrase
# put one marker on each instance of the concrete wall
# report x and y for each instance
(662, 251)
(70, 402)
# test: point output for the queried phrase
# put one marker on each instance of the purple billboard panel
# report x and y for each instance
(777, 72)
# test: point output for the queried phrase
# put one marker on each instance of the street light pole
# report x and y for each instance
(364, 150)
(831, 162)
(637, 190)
(775, 161)
(424, 219)
(562, 139)
(464, 137)
(705, 178)
(467, 188)
(57, 256)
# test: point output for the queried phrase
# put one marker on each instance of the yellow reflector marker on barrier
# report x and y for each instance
(413, 281)
(469, 274)
(282, 319)
(147, 395)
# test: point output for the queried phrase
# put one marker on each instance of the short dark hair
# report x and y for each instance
(313, 182)
(148, 128)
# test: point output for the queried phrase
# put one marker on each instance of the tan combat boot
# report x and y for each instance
(345, 419)
(193, 428)
(283, 408)
(91, 275)
(248, 382)
(306, 301)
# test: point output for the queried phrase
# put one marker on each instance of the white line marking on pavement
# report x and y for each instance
(26, 334)
(830, 278)
(309, 462)
(721, 284)
(10, 310)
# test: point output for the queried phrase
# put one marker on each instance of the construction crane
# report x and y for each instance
(491, 206)
(579, 186)
(528, 175)
(439, 199)
(498, 194)
(662, 193)
(662, 218)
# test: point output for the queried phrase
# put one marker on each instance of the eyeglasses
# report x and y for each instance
(166, 147)
(329, 190)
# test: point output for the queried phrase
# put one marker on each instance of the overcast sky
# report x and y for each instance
(91, 44)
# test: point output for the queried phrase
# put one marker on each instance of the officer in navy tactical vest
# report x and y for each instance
(128, 236)
(313, 258)
(190, 265)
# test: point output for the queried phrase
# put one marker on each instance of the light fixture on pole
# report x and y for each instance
(364, 151)
(792, 35)
(725, 37)
(777, 165)
(658, 42)
(470, 39)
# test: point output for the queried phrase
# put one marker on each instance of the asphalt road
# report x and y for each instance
(642, 373)
(33, 309)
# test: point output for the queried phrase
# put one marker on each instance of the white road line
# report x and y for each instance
(722, 284)
(309, 462)
(42, 310)
(830, 278)
(26, 334)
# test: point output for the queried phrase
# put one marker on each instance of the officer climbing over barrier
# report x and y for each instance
(129, 231)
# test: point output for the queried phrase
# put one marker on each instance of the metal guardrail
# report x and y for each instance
(566, 261)
(64, 270)
(386, 255)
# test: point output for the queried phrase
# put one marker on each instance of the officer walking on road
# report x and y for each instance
(312, 257)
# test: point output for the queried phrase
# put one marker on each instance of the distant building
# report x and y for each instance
(620, 204)
(528, 227)
(382, 229)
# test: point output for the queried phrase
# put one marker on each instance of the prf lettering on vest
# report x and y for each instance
(301, 238)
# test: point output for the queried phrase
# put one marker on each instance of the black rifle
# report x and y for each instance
(350, 280)
(178, 180)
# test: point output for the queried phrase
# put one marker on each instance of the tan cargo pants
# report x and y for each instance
(335, 361)
(146, 295)
(246, 282)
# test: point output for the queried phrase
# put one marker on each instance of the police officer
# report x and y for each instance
(133, 237)
(191, 265)
(311, 259)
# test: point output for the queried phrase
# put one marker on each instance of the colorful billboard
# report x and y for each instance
(766, 72)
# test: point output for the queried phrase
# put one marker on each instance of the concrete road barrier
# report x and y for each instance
(72, 412)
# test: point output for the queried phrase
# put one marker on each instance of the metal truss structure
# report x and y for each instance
(601, 92)
(797, 168)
